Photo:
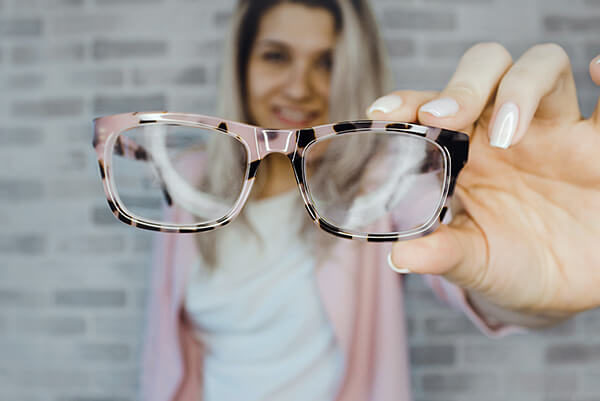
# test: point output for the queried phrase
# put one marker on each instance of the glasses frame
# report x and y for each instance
(260, 142)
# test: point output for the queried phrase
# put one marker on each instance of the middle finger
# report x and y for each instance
(469, 91)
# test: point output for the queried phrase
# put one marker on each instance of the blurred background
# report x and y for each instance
(73, 279)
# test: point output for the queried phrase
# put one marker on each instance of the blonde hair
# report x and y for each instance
(360, 74)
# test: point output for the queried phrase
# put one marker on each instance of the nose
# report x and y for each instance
(298, 86)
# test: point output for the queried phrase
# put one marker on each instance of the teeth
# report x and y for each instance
(293, 115)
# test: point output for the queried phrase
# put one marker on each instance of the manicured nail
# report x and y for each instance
(386, 104)
(443, 107)
(505, 125)
(394, 267)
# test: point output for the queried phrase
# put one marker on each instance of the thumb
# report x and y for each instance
(458, 251)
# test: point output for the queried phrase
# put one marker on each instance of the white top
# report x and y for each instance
(259, 316)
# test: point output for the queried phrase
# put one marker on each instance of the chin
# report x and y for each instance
(282, 124)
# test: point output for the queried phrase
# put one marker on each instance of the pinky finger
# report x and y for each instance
(595, 74)
(595, 70)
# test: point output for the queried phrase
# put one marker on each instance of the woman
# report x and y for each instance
(297, 327)
(295, 342)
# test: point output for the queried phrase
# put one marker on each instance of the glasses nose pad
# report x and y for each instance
(274, 141)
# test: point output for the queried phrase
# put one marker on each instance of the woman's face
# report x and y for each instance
(289, 67)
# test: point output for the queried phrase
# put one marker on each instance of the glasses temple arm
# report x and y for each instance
(457, 145)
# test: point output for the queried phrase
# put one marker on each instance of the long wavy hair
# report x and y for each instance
(360, 74)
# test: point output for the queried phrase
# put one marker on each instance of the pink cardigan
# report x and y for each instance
(363, 299)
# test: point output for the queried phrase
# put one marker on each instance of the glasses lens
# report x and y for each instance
(358, 180)
(172, 174)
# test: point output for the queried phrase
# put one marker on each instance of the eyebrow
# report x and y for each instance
(271, 42)
(281, 44)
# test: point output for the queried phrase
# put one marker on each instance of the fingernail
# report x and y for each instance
(598, 60)
(394, 267)
(505, 125)
(386, 104)
(442, 107)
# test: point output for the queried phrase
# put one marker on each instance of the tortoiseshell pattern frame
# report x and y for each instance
(259, 142)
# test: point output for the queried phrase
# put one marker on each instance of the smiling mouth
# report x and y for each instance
(294, 116)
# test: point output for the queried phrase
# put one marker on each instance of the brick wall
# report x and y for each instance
(73, 279)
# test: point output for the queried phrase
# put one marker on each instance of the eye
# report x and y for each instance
(274, 56)
(326, 62)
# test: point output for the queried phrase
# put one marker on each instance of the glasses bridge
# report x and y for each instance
(274, 141)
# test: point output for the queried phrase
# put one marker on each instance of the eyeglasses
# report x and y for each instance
(188, 173)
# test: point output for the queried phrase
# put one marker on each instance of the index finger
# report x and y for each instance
(400, 105)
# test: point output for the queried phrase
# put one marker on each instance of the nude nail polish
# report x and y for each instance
(386, 104)
(394, 267)
(443, 107)
(505, 125)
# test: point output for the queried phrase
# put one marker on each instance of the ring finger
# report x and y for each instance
(539, 84)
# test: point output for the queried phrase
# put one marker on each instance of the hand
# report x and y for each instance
(528, 235)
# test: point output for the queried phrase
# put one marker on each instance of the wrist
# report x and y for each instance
(496, 316)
